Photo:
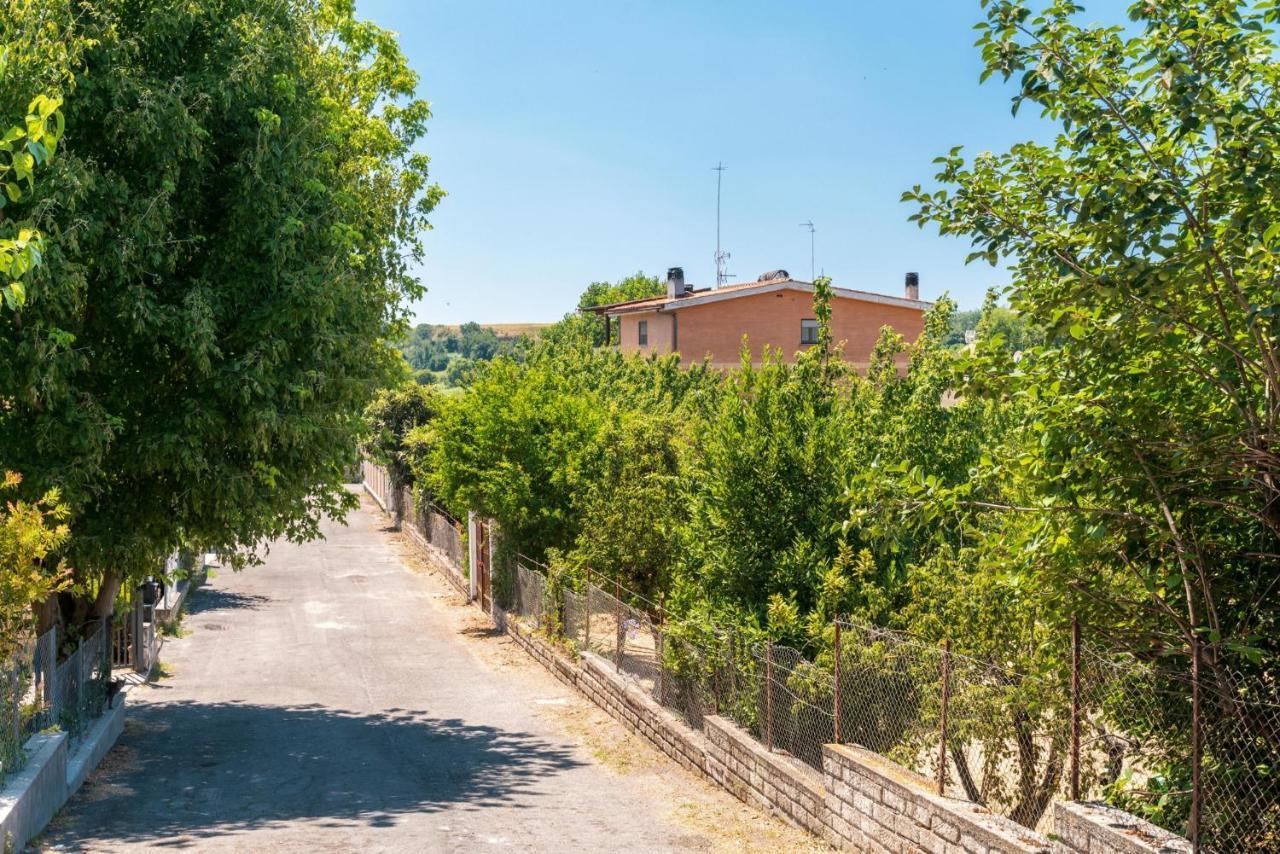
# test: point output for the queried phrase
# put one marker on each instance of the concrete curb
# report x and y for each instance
(377, 500)
(99, 741)
(33, 796)
(175, 601)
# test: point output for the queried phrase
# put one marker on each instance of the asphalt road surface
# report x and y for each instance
(331, 700)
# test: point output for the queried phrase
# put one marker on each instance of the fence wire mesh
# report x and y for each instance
(435, 527)
(80, 683)
(574, 615)
(445, 533)
(37, 692)
(1008, 739)
(684, 681)
(603, 617)
(640, 650)
(1137, 741)
(984, 731)
(795, 703)
(529, 594)
(890, 696)
(1241, 774)
(26, 700)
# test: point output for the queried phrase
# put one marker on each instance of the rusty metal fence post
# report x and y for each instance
(1075, 708)
(586, 599)
(1197, 749)
(617, 627)
(942, 719)
(768, 694)
(835, 700)
(660, 637)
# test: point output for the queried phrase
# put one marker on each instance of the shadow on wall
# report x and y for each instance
(191, 771)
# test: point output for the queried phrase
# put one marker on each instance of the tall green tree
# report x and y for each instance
(1147, 239)
(393, 415)
(229, 230)
(582, 327)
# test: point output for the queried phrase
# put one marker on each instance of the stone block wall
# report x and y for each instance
(641, 714)
(1089, 828)
(876, 805)
(542, 651)
(778, 784)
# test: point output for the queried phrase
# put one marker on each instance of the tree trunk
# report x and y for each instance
(397, 503)
(1033, 794)
(971, 790)
(105, 603)
(48, 614)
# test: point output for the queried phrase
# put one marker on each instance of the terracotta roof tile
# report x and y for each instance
(664, 300)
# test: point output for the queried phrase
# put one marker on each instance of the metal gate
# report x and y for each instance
(133, 638)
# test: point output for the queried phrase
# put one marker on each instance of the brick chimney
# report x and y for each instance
(913, 286)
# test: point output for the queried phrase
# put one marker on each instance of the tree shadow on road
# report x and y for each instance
(188, 771)
(213, 599)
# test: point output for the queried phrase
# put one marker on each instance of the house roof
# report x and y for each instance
(708, 295)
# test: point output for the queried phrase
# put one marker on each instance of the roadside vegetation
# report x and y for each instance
(1104, 452)
(208, 214)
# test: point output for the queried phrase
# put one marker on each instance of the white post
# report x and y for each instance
(473, 537)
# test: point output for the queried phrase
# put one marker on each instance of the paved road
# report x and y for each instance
(326, 702)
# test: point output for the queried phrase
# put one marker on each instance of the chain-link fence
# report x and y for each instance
(26, 698)
(1139, 748)
(37, 692)
(445, 533)
(796, 703)
(1240, 774)
(575, 629)
(1098, 726)
(602, 621)
(434, 526)
(528, 601)
(80, 682)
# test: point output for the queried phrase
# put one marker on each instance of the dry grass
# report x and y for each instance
(505, 330)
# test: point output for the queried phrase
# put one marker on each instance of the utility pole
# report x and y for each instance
(809, 225)
(722, 257)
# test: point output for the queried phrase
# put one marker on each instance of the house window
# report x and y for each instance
(808, 332)
(644, 333)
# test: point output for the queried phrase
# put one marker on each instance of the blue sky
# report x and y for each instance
(576, 140)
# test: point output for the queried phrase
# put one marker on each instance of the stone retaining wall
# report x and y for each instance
(876, 805)
(544, 652)
(1089, 828)
(778, 784)
(641, 714)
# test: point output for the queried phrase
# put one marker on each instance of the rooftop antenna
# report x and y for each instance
(722, 257)
(809, 225)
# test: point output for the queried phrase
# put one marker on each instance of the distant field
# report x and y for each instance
(503, 330)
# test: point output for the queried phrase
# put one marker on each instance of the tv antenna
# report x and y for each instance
(722, 257)
(809, 225)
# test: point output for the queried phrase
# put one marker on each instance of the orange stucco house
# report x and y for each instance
(774, 310)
